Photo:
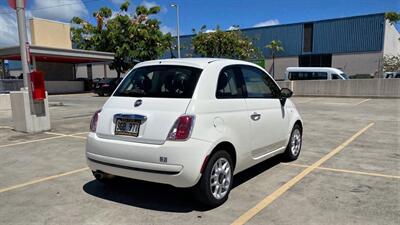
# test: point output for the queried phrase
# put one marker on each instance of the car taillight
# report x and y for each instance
(93, 122)
(182, 128)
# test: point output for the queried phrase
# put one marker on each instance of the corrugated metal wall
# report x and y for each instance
(289, 35)
(356, 34)
(344, 35)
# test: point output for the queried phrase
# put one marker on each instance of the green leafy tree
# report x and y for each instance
(132, 37)
(275, 47)
(392, 17)
(223, 44)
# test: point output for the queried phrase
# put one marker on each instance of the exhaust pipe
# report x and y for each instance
(99, 175)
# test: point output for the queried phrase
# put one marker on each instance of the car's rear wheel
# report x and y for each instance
(294, 146)
(101, 94)
(216, 181)
(102, 177)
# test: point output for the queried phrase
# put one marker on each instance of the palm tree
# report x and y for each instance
(275, 46)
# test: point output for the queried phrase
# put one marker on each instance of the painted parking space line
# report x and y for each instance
(45, 139)
(31, 141)
(365, 100)
(345, 171)
(75, 135)
(282, 189)
(6, 127)
(42, 180)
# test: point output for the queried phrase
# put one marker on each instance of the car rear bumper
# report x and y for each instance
(174, 163)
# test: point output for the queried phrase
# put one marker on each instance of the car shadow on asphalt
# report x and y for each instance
(161, 197)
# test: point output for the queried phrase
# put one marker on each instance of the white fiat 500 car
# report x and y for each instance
(193, 123)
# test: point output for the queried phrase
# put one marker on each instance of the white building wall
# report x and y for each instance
(359, 63)
(280, 66)
(391, 44)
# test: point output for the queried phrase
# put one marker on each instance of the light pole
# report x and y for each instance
(20, 8)
(177, 28)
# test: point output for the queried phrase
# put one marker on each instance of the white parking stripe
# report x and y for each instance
(365, 100)
(45, 139)
(42, 179)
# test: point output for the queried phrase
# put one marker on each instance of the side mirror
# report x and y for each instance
(285, 94)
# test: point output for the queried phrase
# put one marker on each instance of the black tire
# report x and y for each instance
(203, 191)
(290, 153)
(101, 94)
(102, 177)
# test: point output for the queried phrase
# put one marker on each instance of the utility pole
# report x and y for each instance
(23, 42)
(24, 50)
(177, 28)
(28, 115)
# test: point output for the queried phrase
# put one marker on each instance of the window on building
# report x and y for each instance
(308, 37)
(318, 60)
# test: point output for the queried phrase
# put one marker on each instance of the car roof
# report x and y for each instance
(313, 69)
(193, 62)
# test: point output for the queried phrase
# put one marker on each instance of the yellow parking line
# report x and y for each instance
(42, 179)
(31, 141)
(365, 100)
(69, 135)
(345, 171)
(77, 137)
(281, 190)
(45, 139)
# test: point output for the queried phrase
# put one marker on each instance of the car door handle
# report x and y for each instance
(255, 116)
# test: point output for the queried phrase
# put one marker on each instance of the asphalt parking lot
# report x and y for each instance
(348, 173)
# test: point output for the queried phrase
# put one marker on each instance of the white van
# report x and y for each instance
(314, 73)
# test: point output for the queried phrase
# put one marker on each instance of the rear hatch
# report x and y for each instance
(147, 103)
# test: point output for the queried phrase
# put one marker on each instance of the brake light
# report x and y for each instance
(182, 128)
(93, 122)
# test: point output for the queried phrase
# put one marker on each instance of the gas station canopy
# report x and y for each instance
(60, 55)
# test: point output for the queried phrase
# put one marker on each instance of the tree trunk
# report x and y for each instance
(118, 73)
(273, 67)
(172, 53)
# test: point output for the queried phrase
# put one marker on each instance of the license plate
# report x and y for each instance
(124, 126)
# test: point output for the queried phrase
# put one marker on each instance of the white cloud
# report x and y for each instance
(209, 31)
(167, 29)
(59, 10)
(8, 28)
(233, 28)
(149, 4)
(118, 2)
(267, 23)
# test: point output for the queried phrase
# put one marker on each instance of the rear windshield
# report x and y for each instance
(160, 82)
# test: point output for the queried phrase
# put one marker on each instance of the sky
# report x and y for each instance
(195, 13)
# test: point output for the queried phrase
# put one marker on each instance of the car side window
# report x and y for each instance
(229, 86)
(258, 84)
(335, 76)
(293, 76)
(320, 75)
